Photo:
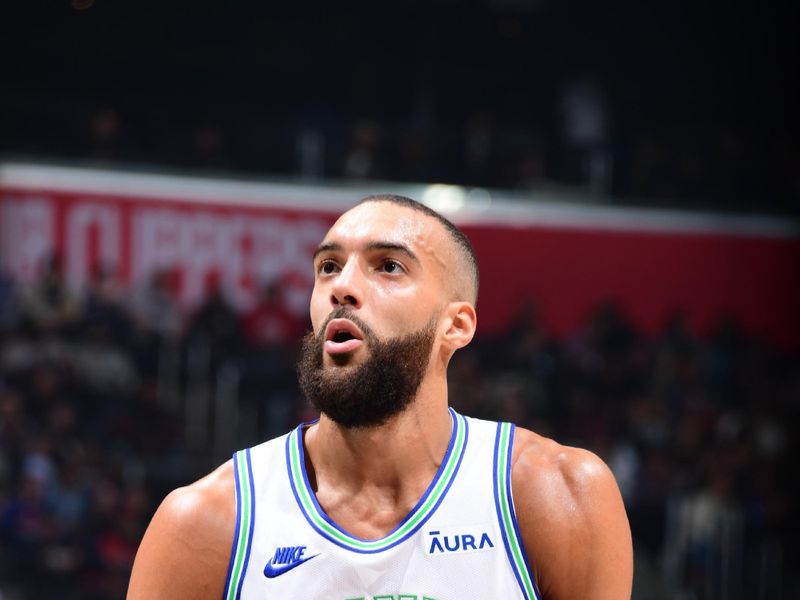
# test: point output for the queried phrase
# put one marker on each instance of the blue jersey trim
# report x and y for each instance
(249, 465)
(507, 467)
(495, 463)
(514, 514)
(238, 523)
(458, 420)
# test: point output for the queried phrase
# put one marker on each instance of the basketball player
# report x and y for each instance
(391, 494)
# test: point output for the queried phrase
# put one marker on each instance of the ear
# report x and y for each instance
(462, 321)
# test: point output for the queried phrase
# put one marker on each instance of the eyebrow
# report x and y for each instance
(336, 247)
(402, 248)
(326, 247)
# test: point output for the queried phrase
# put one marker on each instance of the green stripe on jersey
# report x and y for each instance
(507, 511)
(319, 521)
(244, 499)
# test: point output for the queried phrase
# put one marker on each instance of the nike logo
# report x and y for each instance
(278, 565)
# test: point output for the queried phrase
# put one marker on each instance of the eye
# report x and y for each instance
(327, 267)
(391, 266)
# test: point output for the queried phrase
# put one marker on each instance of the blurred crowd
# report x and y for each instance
(716, 168)
(674, 104)
(699, 432)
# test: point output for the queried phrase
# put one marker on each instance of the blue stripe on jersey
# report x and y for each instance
(245, 509)
(502, 459)
(297, 438)
(514, 516)
(252, 522)
(236, 530)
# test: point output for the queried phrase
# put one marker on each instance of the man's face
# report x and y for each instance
(387, 264)
(378, 295)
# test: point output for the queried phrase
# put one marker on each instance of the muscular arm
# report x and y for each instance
(572, 521)
(186, 548)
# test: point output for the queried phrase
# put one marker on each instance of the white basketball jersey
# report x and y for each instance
(460, 541)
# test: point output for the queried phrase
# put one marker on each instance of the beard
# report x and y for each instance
(368, 394)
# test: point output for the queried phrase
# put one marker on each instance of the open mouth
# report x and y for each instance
(342, 336)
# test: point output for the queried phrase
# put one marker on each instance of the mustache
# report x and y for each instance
(347, 313)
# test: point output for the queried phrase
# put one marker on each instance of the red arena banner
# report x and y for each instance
(563, 257)
(138, 234)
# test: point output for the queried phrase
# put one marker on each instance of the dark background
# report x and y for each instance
(695, 101)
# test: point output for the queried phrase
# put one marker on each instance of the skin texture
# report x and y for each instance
(394, 267)
(185, 551)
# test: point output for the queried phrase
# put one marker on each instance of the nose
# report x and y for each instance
(348, 287)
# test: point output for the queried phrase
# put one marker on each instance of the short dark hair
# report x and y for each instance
(458, 236)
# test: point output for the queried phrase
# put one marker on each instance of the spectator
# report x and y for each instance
(363, 159)
(49, 305)
(9, 303)
(157, 322)
(103, 314)
(216, 323)
(270, 324)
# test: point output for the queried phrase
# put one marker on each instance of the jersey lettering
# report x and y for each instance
(449, 543)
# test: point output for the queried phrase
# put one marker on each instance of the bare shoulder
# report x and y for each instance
(186, 548)
(209, 502)
(572, 520)
(551, 467)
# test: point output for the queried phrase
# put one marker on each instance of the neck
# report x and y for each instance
(394, 457)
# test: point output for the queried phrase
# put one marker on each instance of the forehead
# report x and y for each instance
(387, 222)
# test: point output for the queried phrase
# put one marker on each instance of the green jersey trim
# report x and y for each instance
(426, 506)
(512, 538)
(245, 521)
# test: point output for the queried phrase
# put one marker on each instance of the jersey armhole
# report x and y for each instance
(504, 504)
(245, 521)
